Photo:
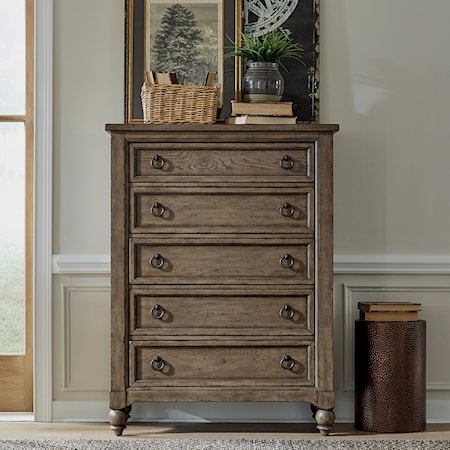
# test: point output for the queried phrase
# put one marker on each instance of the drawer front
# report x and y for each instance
(224, 161)
(206, 210)
(221, 315)
(209, 365)
(222, 263)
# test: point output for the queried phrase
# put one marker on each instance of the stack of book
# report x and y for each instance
(389, 312)
(261, 113)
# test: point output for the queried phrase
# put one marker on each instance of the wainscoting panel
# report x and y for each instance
(405, 283)
(435, 302)
(81, 336)
(86, 338)
(81, 341)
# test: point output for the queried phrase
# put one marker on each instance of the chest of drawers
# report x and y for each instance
(221, 265)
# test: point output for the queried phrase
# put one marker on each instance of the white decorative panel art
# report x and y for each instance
(271, 14)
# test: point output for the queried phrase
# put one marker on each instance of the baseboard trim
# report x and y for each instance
(229, 412)
(355, 264)
(189, 412)
(17, 417)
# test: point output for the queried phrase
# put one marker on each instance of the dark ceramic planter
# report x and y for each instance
(263, 82)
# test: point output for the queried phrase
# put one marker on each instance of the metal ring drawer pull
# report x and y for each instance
(287, 162)
(157, 209)
(157, 311)
(286, 312)
(287, 362)
(286, 261)
(287, 210)
(157, 261)
(157, 363)
(157, 162)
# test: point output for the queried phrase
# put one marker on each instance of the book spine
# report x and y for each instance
(389, 316)
(388, 306)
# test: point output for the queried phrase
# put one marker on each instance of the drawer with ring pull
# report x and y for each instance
(270, 161)
(208, 261)
(198, 313)
(181, 364)
(194, 210)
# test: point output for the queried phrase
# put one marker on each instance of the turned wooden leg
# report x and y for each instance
(118, 418)
(324, 420)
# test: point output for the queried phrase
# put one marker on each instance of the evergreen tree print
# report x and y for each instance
(177, 46)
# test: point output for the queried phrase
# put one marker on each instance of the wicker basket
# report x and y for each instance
(177, 103)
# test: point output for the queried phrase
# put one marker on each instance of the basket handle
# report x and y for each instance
(210, 78)
(149, 77)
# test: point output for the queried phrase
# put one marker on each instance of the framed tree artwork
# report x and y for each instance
(186, 37)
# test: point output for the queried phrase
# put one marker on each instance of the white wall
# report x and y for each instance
(384, 78)
(385, 71)
(88, 92)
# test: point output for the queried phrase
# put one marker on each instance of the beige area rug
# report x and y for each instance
(239, 444)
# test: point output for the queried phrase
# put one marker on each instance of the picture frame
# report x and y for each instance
(301, 18)
(221, 19)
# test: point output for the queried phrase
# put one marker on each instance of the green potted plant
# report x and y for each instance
(263, 81)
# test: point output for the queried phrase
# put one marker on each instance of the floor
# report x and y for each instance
(34, 430)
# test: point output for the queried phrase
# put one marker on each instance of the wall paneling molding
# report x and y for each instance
(392, 264)
(43, 209)
(351, 264)
(435, 309)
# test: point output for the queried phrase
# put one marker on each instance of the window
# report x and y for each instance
(16, 199)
